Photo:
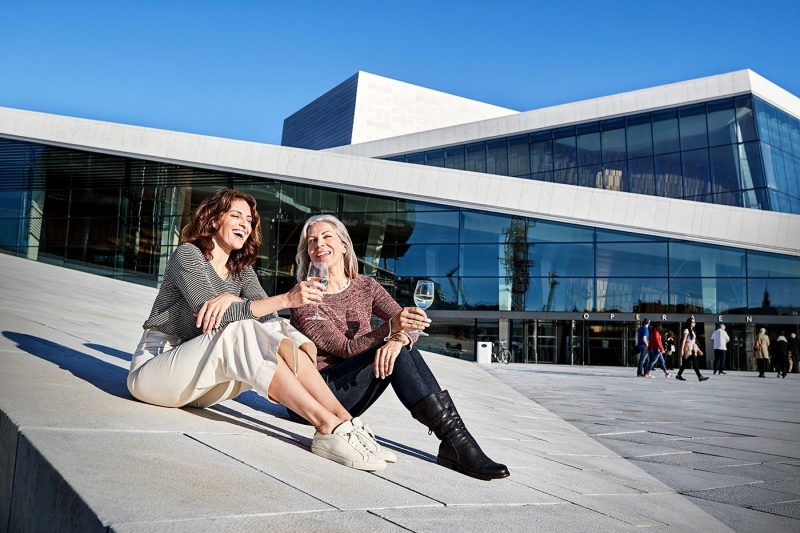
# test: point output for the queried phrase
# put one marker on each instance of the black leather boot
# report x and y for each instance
(458, 450)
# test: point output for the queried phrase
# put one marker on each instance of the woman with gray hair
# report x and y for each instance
(359, 361)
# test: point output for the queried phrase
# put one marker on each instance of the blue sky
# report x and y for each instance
(238, 68)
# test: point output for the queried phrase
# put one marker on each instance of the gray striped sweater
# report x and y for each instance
(189, 281)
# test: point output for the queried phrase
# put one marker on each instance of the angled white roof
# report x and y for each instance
(654, 98)
(388, 108)
(693, 221)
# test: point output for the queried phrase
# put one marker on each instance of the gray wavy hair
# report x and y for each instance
(302, 259)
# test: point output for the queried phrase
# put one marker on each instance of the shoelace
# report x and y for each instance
(354, 440)
(367, 438)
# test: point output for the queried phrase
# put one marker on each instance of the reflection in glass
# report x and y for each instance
(560, 294)
(703, 260)
(707, 295)
(665, 132)
(669, 180)
(641, 179)
(693, 127)
(761, 264)
(773, 296)
(625, 259)
(696, 178)
(640, 295)
(721, 123)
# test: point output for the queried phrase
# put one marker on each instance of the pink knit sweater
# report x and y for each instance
(348, 330)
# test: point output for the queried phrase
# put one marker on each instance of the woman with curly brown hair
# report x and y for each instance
(213, 333)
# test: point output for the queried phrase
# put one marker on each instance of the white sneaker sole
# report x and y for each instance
(346, 461)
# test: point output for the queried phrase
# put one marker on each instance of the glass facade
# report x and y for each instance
(735, 151)
(551, 289)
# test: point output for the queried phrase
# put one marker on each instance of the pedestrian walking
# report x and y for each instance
(721, 339)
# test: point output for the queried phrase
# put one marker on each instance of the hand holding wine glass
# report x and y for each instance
(318, 271)
(423, 298)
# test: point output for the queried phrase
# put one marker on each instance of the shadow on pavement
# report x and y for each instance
(105, 376)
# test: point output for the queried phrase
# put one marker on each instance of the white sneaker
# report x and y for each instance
(367, 437)
(344, 446)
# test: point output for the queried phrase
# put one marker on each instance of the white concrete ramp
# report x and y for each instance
(78, 453)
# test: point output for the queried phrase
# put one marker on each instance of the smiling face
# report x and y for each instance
(324, 244)
(234, 227)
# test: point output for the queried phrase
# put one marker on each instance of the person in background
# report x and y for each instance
(761, 352)
(690, 350)
(642, 343)
(794, 352)
(781, 355)
(721, 339)
(213, 333)
(656, 351)
(360, 360)
(669, 348)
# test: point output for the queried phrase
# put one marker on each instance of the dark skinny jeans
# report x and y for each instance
(354, 384)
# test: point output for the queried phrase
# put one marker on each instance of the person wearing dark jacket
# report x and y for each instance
(780, 355)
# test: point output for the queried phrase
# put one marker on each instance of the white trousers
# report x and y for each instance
(213, 367)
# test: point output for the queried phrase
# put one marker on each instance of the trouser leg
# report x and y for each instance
(354, 384)
(202, 371)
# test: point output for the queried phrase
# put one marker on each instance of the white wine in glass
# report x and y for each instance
(318, 271)
(423, 298)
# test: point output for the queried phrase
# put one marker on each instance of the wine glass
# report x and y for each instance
(423, 298)
(318, 271)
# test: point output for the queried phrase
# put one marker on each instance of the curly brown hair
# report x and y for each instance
(201, 228)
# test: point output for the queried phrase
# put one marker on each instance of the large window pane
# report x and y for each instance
(434, 158)
(497, 157)
(568, 176)
(641, 179)
(484, 259)
(428, 227)
(605, 235)
(622, 259)
(426, 260)
(519, 157)
(639, 136)
(696, 178)
(701, 260)
(795, 125)
(560, 259)
(640, 295)
(588, 148)
(613, 140)
(543, 231)
(762, 120)
(725, 168)
(707, 295)
(775, 136)
(542, 156)
(721, 123)
(483, 227)
(665, 132)
(745, 120)
(590, 176)
(773, 296)
(752, 172)
(669, 176)
(771, 265)
(564, 154)
(416, 159)
(476, 157)
(484, 294)
(553, 293)
(613, 176)
(454, 157)
(693, 127)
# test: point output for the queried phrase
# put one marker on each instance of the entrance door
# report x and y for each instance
(547, 341)
(605, 343)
